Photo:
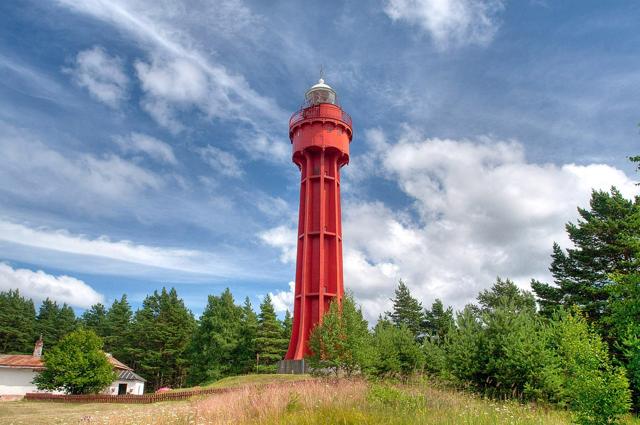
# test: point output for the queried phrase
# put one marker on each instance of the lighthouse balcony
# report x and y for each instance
(321, 111)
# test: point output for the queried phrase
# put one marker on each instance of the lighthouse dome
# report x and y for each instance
(320, 93)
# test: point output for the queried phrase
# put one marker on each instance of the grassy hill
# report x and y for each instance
(279, 399)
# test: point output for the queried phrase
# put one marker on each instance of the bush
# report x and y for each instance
(396, 351)
(597, 392)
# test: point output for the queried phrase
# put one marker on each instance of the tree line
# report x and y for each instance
(162, 340)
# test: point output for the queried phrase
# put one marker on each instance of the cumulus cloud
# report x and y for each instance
(101, 74)
(450, 23)
(479, 210)
(39, 285)
(221, 161)
(283, 300)
(284, 238)
(142, 143)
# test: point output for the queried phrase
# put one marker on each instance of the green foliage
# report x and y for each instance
(407, 310)
(505, 292)
(17, 323)
(54, 322)
(597, 392)
(342, 340)
(605, 240)
(162, 329)
(270, 342)
(396, 352)
(119, 340)
(246, 350)
(216, 339)
(76, 365)
(287, 323)
(95, 319)
(438, 321)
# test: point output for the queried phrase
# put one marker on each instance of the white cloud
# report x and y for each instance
(154, 148)
(33, 171)
(283, 238)
(185, 260)
(450, 23)
(283, 300)
(40, 285)
(480, 210)
(103, 75)
(221, 161)
(180, 76)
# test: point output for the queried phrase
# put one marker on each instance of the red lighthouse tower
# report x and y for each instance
(320, 133)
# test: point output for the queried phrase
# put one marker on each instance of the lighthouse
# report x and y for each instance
(320, 133)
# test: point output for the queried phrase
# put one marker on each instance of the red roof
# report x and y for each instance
(25, 361)
(22, 361)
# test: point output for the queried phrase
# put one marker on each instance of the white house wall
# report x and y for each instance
(133, 387)
(17, 381)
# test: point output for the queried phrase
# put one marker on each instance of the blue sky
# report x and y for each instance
(144, 143)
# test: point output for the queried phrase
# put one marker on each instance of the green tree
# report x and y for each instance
(95, 318)
(623, 321)
(246, 352)
(216, 339)
(605, 241)
(270, 342)
(77, 365)
(287, 323)
(597, 392)
(407, 310)
(342, 341)
(54, 322)
(505, 292)
(396, 352)
(17, 323)
(119, 340)
(438, 321)
(162, 330)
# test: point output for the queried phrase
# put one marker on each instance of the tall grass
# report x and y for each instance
(323, 402)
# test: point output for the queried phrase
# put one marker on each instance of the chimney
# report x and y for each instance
(37, 349)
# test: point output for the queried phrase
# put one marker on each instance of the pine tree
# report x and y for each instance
(605, 240)
(118, 340)
(246, 352)
(17, 323)
(287, 323)
(505, 292)
(270, 342)
(438, 320)
(407, 310)
(95, 319)
(216, 340)
(162, 329)
(54, 322)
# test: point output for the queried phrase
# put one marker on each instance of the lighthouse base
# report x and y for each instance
(293, 367)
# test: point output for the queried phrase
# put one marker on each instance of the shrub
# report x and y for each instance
(597, 392)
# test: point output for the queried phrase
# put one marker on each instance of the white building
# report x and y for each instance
(17, 372)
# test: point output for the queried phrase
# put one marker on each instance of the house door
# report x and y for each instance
(122, 389)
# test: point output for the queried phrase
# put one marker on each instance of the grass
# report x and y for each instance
(286, 400)
(237, 381)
